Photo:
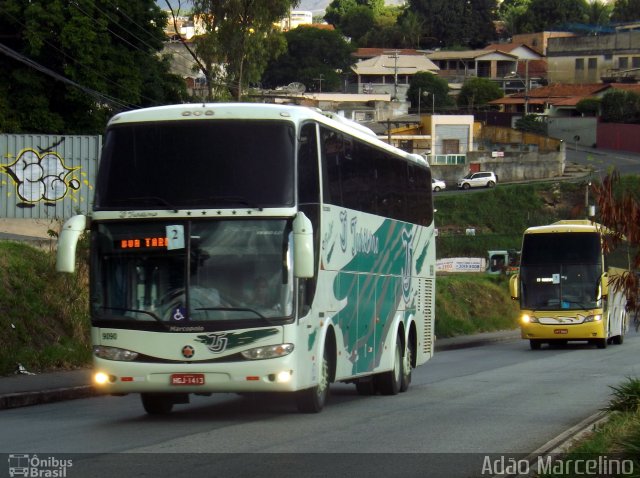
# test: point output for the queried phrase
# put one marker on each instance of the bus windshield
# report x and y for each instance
(197, 164)
(560, 271)
(209, 272)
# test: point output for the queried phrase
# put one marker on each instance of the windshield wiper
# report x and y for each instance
(149, 199)
(138, 311)
(228, 200)
(239, 309)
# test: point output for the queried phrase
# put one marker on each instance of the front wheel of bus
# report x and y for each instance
(391, 381)
(535, 344)
(156, 404)
(313, 400)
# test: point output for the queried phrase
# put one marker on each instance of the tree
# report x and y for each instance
(338, 9)
(478, 92)
(366, 22)
(311, 54)
(588, 106)
(515, 16)
(599, 13)
(548, 13)
(456, 22)
(241, 37)
(429, 91)
(68, 66)
(532, 124)
(620, 106)
(356, 22)
(619, 208)
(626, 11)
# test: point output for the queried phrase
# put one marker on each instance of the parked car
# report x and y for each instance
(437, 185)
(480, 179)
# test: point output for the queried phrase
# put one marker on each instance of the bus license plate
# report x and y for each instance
(187, 379)
(561, 331)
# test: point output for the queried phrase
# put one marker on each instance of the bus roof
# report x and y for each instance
(574, 225)
(257, 111)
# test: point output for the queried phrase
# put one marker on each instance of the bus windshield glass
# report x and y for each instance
(197, 164)
(233, 272)
(560, 271)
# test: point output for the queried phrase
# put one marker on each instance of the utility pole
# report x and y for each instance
(526, 87)
(396, 55)
(319, 80)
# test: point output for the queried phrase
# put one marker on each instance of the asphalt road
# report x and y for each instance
(463, 405)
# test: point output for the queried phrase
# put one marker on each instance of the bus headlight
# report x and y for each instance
(114, 353)
(268, 352)
(593, 318)
(528, 319)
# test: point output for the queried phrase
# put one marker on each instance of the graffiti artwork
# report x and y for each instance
(40, 177)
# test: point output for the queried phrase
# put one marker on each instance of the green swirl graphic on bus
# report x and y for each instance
(221, 341)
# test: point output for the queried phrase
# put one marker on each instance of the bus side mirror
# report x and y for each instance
(67, 242)
(604, 286)
(303, 255)
(514, 280)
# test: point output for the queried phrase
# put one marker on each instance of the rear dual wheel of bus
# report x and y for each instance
(390, 383)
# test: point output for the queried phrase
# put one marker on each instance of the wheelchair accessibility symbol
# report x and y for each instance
(178, 314)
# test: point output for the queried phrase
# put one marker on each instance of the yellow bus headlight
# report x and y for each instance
(528, 319)
(593, 318)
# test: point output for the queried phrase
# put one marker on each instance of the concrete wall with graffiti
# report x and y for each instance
(47, 176)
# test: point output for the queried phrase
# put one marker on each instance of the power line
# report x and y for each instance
(89, 68)
(43, 69)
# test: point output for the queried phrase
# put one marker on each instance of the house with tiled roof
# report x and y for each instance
(390, 73)
(457, 66)
(557, 103)
(553, 100)
(531, 67)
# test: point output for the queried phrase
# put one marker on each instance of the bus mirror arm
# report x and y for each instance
(302, 247)
(514, 280)
(604, 285)
(67, 242)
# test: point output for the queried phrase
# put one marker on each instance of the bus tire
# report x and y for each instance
(366, 386)
(535, 344)
(618, 339)
(601, 343)
(406, 367)
(156, 403)
(313, 400)
(389, 383)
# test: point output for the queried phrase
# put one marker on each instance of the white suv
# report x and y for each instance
(481, 179)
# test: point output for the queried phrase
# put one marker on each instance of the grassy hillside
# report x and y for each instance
(500, 215)
(42, 313)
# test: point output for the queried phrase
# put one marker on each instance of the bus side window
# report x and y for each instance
(308, 177)
(331, 163)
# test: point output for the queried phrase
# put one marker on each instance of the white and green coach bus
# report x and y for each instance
(255, 248)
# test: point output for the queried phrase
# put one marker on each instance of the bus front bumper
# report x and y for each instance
(115, 377)
(585, 331)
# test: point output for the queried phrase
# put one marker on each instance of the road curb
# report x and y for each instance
(465, 342)
(25, 399)
(561, 444)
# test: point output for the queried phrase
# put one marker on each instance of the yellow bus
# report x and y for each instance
(563, 286)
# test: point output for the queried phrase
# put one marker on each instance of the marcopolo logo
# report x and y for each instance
(23, 464)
